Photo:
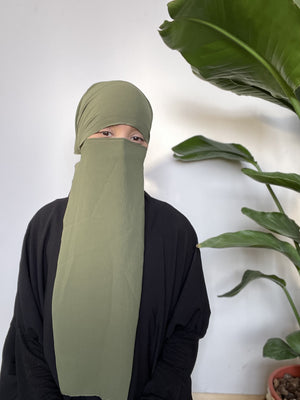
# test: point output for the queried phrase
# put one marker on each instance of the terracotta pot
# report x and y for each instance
(293, 370)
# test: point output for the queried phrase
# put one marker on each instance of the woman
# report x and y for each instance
(111, 299)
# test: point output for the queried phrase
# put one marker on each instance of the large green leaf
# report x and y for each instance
(289, 181)
(278, 350)
(293, 340)
(249, 238)
(199, 148)
(275, 222)
(250, 276)
(249, 47)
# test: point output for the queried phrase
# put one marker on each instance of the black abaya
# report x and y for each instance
(173, 315)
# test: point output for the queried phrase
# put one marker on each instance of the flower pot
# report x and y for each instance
(293, 370)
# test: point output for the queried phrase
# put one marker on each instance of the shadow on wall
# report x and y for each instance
(259, 126)
(212, 191)
(252, 111)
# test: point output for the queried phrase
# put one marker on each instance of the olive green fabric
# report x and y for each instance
(112, 103)
(97, 289)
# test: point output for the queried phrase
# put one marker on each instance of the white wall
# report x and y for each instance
(51, 52)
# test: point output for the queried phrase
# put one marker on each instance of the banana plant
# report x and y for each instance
(276, 224)
(250, 47)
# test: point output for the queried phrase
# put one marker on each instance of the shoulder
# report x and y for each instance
(54, 208)
(49, 214)
(166, 212)
(42, 239)
(167, 218)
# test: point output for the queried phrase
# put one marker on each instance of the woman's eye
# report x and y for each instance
(138, 138)
(105, 133)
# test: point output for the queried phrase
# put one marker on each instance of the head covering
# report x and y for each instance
(97, 289)
(112, 103)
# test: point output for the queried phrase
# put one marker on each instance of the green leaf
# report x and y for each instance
(199, 148)
(289, 181)
(248, 47)
(249, 238)
(297, 2)
(275, 222)
(293, 340)
(250, 276)
(278, 350)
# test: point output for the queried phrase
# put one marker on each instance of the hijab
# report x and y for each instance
(97, 289)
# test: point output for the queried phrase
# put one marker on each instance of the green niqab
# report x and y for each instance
(98, 283)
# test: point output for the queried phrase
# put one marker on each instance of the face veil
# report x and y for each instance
(97, 289)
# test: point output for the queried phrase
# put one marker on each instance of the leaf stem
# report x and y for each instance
(277, 202)
(274, 197)
(292, 304)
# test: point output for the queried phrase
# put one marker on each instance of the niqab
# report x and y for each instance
(97, 290)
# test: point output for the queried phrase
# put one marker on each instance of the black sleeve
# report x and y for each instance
(171, 379)
(8, 381)
(25, 374)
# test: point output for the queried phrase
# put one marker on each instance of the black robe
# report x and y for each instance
(173, 315)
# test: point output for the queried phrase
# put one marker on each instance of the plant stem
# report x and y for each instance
(292, 304)
(297, 246)
(274, 197)
(279, 206)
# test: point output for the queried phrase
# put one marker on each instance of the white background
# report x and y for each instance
(51, 52)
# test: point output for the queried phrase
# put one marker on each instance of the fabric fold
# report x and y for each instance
(98, 283)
